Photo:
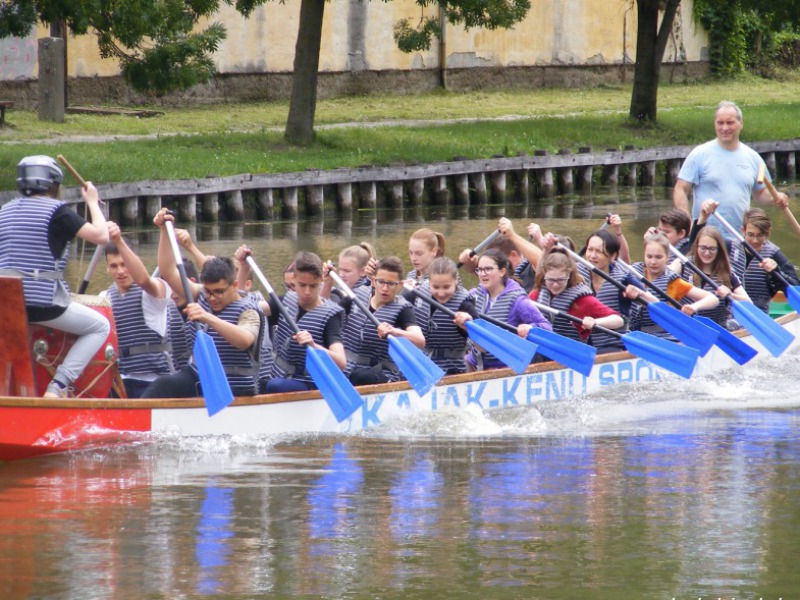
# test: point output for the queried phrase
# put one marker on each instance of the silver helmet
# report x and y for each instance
(38, 175)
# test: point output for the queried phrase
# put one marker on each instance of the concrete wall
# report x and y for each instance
(561, 42)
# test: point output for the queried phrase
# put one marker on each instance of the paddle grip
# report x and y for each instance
(489, 239)
(271, 293)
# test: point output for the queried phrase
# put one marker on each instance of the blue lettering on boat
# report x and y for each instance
(369, 414)
(474, 397)
(451, 397)
(510, 391)
(403, 401)
(533, 385)
(651, 375)
(551, 384)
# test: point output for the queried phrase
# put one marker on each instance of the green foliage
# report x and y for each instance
(489, 14)
(746, 33)
(786, 49)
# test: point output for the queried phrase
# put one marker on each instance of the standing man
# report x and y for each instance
(724, 170)
(35, 234)
(140, 304)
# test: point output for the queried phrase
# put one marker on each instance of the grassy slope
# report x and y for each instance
(229, 139)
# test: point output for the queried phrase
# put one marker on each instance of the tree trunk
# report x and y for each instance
(651, 42)
(303, 103)
(58, 29)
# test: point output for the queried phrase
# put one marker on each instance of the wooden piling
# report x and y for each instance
(234, 205)
(209, 207)
(769, 159)
(152, 204)
(649, 173)
(522, 183)
(395, 193)
(130, 211)
(479, 185)
(440, 191)
(187, 208)
(564, 180)
(544, 179)
(344, 194)
(315, 197)
(369, 195)
(289, 196)
(610, 174)
(461, 188)
(672, 171)
(416, 192)
(786, 165)
(585, 174)
(265, 204)
(499, 186)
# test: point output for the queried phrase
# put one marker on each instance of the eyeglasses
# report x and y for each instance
(216, 293)
(755, 236)
(556, 279)
(388, 284)
(482, 270)
(708, 249)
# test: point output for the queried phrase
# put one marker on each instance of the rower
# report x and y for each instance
(230, 320)
(35, 234)
(140, 304)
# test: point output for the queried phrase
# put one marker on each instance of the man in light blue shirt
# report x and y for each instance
(723, 170)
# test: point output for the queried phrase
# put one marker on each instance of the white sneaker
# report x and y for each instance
(54, 390)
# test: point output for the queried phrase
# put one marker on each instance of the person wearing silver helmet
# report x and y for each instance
(35, 234)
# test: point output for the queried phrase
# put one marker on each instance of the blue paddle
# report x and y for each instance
(420, 371)
(771, 335)
(681, 360)
(342, 398)
(213, 381)
(792, 291)
(678, 324)
(686, 329)
(492, 335)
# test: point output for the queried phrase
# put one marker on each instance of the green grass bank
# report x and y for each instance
(379, 130)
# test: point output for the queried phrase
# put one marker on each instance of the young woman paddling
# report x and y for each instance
(445, 341)
(424, 246)
(602, 250)
(368, 360)
(708, 252)
(560, 286)
(654, 269)
(500, 297)
(354, 262)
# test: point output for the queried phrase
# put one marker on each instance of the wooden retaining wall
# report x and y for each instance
(308, 193)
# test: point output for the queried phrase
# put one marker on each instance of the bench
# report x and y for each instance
(4, 104)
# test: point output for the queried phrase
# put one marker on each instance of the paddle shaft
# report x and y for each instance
(271, 292)
(607, 276)
(649, 284)
(71, 169)
(575, 319)
(685, 260)
(776, 272)
(774, 193)
(479, 248)
(346, 289)
(452, 313)
(176, 252)
(97, 251)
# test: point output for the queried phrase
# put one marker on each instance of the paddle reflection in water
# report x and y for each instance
(213, 531)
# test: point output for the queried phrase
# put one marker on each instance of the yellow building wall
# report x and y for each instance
(359, 35)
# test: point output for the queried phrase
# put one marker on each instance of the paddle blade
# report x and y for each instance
(681, 360)
(335, 387)
(216, 389)
(513, 351)
(731, 345)
(771, 335)
(570, 353)
(793, 296)
(422, 373)
(683, 327)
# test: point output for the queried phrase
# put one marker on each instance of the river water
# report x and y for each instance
(673, 489)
